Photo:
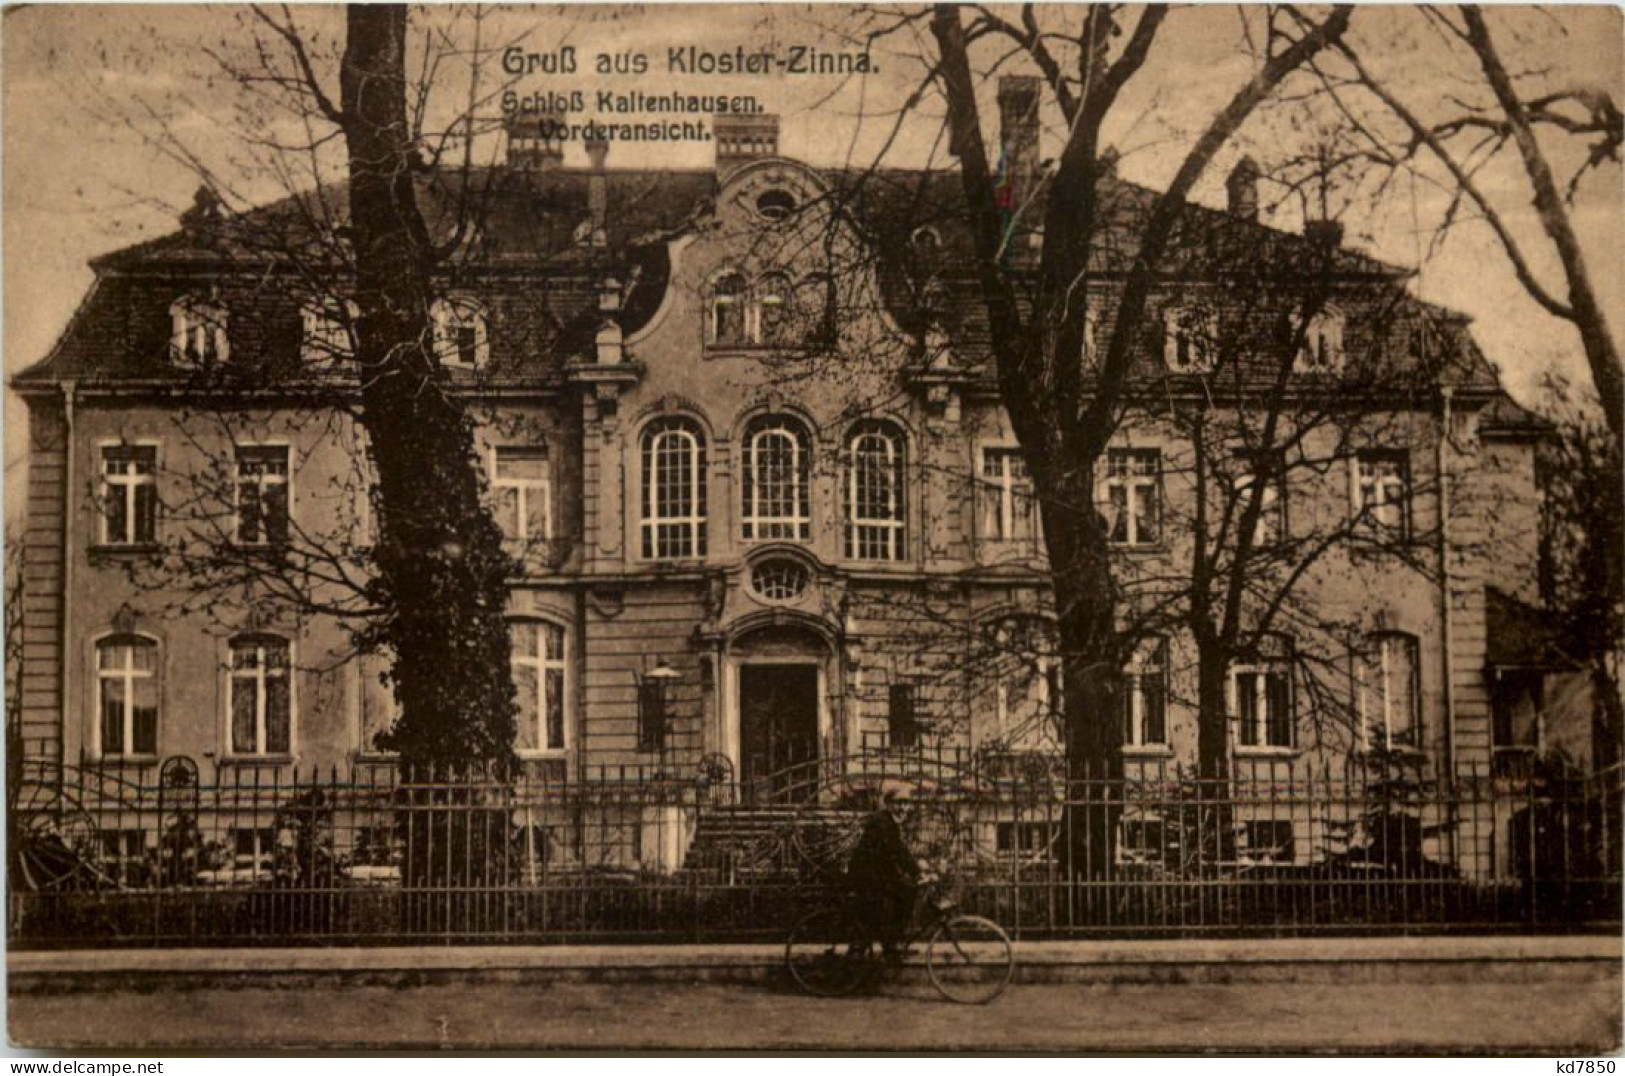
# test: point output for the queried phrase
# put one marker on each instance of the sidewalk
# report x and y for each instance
(1208, 960)
(1555, 995)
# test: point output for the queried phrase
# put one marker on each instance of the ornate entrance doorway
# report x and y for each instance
(778, 730)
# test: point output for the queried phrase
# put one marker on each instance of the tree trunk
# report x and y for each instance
(1588, 315)
(1214, 831)
(441, 569)
(1086, 623)
(1213, 716)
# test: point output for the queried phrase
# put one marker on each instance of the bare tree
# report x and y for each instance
(1037, 315)
(409, 557)
(1460, 143)
(1582, 532)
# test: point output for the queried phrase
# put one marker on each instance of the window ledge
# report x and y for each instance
(1147, 750)
(1149, 548)
(539, 753)
(261, 548)
(127, 760)
(748, 348)
(1009, 548)
(123, 549)
(1266, 751)
(1375, 547)
(1400, 751)
(255, 760)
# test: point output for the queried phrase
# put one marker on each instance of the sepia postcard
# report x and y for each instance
(1060, 527)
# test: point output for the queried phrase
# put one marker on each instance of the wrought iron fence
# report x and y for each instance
(163, 856)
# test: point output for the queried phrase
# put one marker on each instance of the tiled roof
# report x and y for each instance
(1519, 635)
(1505, 417)
(532, 230)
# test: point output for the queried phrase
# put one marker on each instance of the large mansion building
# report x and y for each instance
(741, 429)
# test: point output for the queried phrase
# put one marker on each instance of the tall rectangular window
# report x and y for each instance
(375, 699)
(1261, 694)
(1134, 496)
(1265, 472)
(1009, 511)
(129, 494)
(902, 715)
(1382, 492)
(521, 484)
(1145, 695)
(1027, 701)
(127, 695)
(1387, 683)
(651, 716)
(539, 676)
(261, 697)
(262, 495)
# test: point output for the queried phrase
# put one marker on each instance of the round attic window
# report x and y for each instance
(779, 580)
(776, 204)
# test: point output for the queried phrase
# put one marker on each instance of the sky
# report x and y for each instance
(109, 114)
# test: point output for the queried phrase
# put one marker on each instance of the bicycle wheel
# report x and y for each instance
(819, 954)
(970, 959)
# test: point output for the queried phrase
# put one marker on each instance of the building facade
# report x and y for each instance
(740, 428)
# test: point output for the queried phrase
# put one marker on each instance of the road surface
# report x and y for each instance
(1539, 1017)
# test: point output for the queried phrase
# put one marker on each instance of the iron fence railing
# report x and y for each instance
(165, 856)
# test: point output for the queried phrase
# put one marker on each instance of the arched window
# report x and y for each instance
(197, 331)
(1388, 690)
(461, 335)
(772, 310)
(726, 323)
(261, 696)
(673, 489)
(329, 331)
(776, 501)
(127, 696)
(875, 492)
(539, 669)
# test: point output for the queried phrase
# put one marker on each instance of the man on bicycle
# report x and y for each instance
(883, 877)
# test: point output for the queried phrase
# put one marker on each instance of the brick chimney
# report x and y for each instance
(1242, 187)
(1326, 234)
(743, 138)
(1018, 134)
(598, 187)
(533, 141)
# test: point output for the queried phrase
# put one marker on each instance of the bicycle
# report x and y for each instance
(969, 959)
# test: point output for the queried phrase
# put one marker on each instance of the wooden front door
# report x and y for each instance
(778, 730)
